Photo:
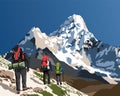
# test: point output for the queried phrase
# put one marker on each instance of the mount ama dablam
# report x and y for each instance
(76, 47)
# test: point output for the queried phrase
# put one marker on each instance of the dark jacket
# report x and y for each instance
(20, 58)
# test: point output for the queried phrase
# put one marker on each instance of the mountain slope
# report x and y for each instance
(35, 84)
(73, 44)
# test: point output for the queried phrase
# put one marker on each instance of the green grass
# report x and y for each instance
(38, 74)
(57, 90)
(45, 93)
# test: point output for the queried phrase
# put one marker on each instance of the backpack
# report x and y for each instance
(45, 63)
(58, 68)
(18, 54)
(18, 59)
(23, 56)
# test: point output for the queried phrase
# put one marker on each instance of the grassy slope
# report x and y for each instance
(58, 90)
(115, 91)
(88, 87)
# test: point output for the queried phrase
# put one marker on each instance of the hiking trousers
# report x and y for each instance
(46, 75)
(18, 74)
(59, 79)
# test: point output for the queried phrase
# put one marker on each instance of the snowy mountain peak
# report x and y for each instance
(74, 33)
(28, 36)
(72, 22)
(73, 44)
(79, 20)
(37, 31)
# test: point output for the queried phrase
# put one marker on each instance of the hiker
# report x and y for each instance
(58, 72)
(19, 56)
(46, 67)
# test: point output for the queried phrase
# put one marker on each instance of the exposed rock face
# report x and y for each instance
(7, 75)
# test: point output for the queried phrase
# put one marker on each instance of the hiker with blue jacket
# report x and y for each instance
(18, 57)
(58, 72)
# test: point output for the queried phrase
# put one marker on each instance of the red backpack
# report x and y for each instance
(17, 54)
(44, 63)
(23, 55)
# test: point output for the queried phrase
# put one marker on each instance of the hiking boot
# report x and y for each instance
(60, 83)
(18, 92)
(44, 83)
(25, 88)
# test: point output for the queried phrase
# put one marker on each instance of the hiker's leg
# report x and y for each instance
(60, 79)
(17, 76)
(57, 77)
(44, 77)
(48, 73)
(23, 73)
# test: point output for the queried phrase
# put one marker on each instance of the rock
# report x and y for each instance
(7, 75)
(37, 89)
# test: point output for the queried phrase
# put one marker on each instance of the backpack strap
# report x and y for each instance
(16, 54)
(23, 56)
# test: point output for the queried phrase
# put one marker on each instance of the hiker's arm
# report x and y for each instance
(50, 66)
(12, 57)
(27, 63)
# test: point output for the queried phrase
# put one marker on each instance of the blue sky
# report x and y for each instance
(17, 17)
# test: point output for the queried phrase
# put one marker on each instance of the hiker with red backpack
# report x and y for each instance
(19, 57)
(46, 68)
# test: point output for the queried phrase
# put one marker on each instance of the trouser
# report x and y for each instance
(20, 73)
(58, 79)
(46, 74)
